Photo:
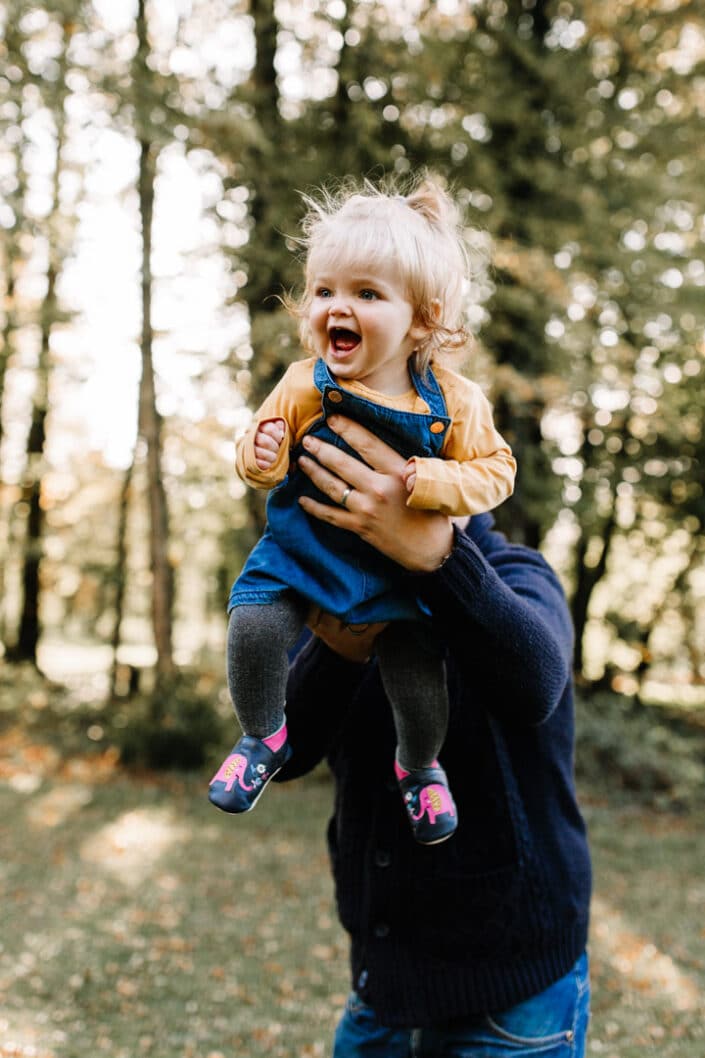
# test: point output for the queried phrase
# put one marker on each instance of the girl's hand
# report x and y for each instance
(375, 503)
(410, 476)
(268, 439)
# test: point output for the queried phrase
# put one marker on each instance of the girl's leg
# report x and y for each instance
(413, 674)
(414, 678)
(259, 638)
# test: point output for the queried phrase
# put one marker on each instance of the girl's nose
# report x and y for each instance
(339, 305)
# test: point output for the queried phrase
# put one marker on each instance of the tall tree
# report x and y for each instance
(13, 187)
(150, 422)
(56, 94)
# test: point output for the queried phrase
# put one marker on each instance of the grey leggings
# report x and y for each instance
(411, 667)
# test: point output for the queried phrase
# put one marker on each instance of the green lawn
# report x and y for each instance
(137, 920)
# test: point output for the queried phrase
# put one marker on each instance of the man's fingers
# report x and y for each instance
(332, 469)
(374, 452)
(331, 485)
(351, 471)
(339, 516)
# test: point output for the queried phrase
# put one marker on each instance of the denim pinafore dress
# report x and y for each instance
(332, 567)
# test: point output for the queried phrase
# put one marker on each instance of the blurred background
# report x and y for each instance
(151, 166)
(152, 160)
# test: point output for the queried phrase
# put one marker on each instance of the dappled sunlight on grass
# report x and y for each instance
(132, 846)
(643, 966)
(18, 1039)
(54, 807)
(141, 921)
(647, 952)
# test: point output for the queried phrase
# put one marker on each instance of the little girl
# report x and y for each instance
(383, 301)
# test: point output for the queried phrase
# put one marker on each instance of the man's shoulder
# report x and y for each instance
(498, 550)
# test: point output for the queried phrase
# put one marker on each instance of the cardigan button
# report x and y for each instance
(382, 858)
(381, 930)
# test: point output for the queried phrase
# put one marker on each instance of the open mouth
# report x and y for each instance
(343, 340)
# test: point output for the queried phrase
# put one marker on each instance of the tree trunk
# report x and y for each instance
(25, 646)
(7, 343)
(150, 427)
(586, 580)
(120, 576)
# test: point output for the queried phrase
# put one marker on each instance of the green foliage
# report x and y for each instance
(624, 746)
(174, 726)
(571, 135)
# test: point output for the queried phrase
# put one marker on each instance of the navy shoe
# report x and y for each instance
(429, 803)
(240, 780)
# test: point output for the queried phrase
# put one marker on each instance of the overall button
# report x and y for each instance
(437, 427)
(381, 930)
(362, 979)
(382, 858)
(335, 396)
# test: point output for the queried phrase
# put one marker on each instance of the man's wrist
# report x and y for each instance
(440, 557)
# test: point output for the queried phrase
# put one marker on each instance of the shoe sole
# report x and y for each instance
(437, 841)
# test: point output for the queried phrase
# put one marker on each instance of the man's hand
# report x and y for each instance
(354, 642)
(374, 495)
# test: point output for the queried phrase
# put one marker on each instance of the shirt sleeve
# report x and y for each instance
(477, 469)
(294, 399)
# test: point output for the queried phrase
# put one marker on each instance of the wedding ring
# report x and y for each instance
(344, 498)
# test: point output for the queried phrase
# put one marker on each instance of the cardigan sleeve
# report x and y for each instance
(509, 596)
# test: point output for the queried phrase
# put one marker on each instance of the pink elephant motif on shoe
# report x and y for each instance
(232, 769)
(436, 801)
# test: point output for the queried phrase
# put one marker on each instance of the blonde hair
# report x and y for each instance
(420, 233)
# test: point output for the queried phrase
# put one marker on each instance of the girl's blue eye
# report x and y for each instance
(368, 295)
(323, 292)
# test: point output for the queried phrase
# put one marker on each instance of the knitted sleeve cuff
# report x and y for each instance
(464, 561)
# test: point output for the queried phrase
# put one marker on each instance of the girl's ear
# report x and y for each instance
(424, 318)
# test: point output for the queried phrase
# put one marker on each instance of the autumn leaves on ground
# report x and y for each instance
(139, 921)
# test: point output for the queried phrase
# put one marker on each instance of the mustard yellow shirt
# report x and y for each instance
(477, 469)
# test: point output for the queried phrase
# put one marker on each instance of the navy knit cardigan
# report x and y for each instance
(500, 911)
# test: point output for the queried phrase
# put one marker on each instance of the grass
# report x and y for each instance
(648, 931)
(139, 921)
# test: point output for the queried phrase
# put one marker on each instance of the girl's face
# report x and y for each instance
(362, 325)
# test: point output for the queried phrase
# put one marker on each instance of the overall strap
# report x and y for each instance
(322, 376)
(426, 386)
(429, 390)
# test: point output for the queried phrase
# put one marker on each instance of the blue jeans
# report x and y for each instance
(552, 1024)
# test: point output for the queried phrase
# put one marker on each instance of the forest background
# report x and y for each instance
(152, 161)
